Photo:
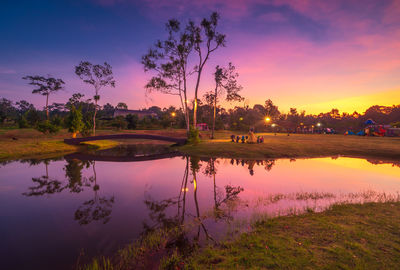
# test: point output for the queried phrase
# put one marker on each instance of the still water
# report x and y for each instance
(53, 212)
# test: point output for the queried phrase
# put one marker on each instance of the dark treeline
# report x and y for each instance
(261, 117)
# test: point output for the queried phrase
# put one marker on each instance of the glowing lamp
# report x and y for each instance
(173, 114)
(267, 119)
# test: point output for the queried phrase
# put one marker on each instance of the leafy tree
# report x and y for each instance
(132, 120)
(168, 60)
(119, 122)
(45, 86)
(108, 110)
(271, 110)
(98, 76)
(33, 117)
(225, 81)
(206, 40)
(22, 122)
(23, 106)
(74, 121)
(122, 106)
(6, 109)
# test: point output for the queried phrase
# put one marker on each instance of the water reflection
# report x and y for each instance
(98, 208)
(199, 198)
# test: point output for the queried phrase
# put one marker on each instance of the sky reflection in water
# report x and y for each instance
(51, 211)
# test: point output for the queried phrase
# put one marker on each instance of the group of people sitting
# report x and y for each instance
(250, 138)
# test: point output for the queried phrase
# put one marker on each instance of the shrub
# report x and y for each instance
(193, 136)
(57, 120)
(23, 123)
(74, 120)
(119, 122)
(87, 128)
(132, 120)
(47, 127)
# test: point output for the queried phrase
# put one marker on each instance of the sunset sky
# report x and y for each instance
(312, 55)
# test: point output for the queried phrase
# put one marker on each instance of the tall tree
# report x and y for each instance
(168, 59)
(206, 40)
(122, 106)
(271, 110)
(46, 86)
(97, 75)
(225, 81)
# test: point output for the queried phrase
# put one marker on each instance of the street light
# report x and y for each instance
(318, 124)
(173, 114)
(267, 119)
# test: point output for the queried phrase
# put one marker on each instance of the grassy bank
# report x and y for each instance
(29, 143)
(17, 143)
(297, 145)
(345, 237)
(352, 236)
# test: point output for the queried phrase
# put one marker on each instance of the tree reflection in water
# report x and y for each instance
(187, 228)
(96, 209)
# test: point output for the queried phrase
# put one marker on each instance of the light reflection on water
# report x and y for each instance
(64, 207)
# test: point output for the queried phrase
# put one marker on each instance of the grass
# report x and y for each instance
(29, 143)
(296, 146)
(358, 236)
(347, 236)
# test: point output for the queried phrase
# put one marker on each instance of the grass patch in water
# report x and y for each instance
(100, 144)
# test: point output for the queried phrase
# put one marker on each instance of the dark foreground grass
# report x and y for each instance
(347, 236)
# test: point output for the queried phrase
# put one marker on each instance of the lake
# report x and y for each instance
(54, 212)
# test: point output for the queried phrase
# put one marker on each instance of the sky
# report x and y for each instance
(313, 55)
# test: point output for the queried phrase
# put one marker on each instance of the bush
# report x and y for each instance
(132, 120)
(119, 122)
(193, 136)
(23, 123)
(57, 121)
(74, 120)
(47, 127)
(87, 128)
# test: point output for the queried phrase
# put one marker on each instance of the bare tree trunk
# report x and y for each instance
(94, 117)
(215, 113)
(47, 106)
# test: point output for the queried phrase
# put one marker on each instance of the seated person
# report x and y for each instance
(252, 137)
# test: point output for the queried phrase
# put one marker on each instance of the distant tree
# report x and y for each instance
(206, 40)
(271, 110)
(23, 106)
(46, 86)
(119, 122)
(97, 75)
(122, 106)
(132, 120)
(225, 81)
(75, 100)
(6, 109)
